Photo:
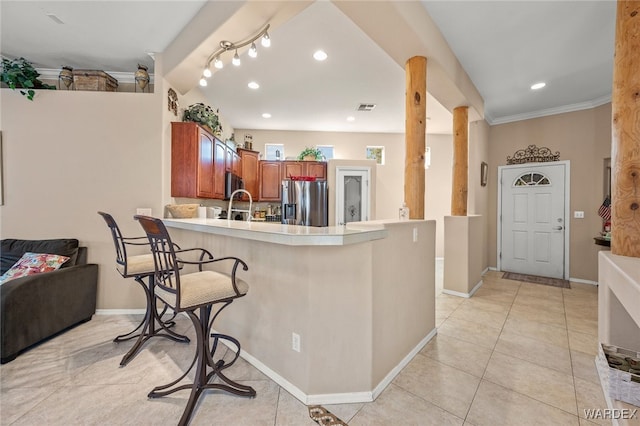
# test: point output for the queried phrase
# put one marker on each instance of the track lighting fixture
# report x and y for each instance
(226, 46)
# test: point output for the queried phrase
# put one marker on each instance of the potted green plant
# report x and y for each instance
(204, 115)
(311, 154)
(20, 74)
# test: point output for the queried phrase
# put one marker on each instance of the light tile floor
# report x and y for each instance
(514, 354)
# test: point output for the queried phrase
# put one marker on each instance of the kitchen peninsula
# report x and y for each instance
(360, 297)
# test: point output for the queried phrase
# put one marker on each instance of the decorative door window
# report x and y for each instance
(531, 179)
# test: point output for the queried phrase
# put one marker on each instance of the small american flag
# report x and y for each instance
(605, 209)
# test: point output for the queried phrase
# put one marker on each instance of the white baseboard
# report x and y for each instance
(581, 281)
(484, 271)
(465, 295)
(493, 268)
(121, 311)
(406, 360)
(334, 398)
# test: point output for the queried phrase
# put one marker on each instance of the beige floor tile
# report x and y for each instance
(535, 351)
(538, 315)
(291, 412)
(478, 314)
(539, 303)
(100, 405)
(540, 291)
(15, 403)
(582, 324)
(584, 366)
(587, 343)
(503, 286)
(446, 305)
(497, 405)
(582, 311)
(630, 410)
(395, 406)
(590, 397)
(444, 386)
(495, 296)
(471, 332)
(580, 288)
(550, 334)
(487, 305)
(459, 354)
(584, 422)
(225, 409)
(344, 412)
(543, 384)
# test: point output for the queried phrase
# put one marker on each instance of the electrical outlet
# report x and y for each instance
(578, 214)
(415, 235)
(143, 211)
(295, 342)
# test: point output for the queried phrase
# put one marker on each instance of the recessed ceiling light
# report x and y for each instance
(266, 115)
(538, 86)
(320, 55)
(253, 85)
(351, 118)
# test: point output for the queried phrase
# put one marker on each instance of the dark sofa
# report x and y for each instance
(36, 307)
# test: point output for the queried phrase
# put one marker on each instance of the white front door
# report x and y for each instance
(533, 219)
(352, 194)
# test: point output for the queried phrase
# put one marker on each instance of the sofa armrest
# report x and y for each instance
(38, 306)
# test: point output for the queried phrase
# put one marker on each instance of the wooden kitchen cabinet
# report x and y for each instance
(232, 162)
(249, 172)
(318, 169)
(220, 158)
(270, 180)
(193, 162)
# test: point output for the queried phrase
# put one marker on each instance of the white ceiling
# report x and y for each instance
(504, 46)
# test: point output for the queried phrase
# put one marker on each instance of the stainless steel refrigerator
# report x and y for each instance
(305, 203)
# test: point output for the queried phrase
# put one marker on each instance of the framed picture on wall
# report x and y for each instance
(375, 153)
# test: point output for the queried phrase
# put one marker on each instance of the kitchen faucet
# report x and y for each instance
(230, 210)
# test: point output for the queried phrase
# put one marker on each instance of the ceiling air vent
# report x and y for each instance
(366, 107)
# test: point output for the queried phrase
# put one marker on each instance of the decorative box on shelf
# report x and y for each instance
(94, 80)
(618, 383)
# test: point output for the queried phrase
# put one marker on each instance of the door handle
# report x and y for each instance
(557, 228)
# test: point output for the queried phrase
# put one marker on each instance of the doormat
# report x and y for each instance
(323, 417)
(554, 282)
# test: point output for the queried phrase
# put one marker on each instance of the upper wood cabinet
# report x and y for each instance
(270, 180)
(318, 169)
(249, 172)
(232, 162)
(197, 162)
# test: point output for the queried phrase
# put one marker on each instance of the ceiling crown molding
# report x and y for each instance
(550, 111)
(122, 77)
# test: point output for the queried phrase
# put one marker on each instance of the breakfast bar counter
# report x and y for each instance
(358, 299)
(277, 233)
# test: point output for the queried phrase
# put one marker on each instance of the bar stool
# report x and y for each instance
(191, 292)
(140, 267)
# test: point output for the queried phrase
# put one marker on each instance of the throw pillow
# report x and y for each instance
(11, 250)
(33, 263)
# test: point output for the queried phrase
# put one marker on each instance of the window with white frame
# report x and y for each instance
(326, 150)
(274, 151)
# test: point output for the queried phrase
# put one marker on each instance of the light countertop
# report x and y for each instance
(277, 233)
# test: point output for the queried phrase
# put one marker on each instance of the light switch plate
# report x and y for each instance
(578, 214)
(143, 211)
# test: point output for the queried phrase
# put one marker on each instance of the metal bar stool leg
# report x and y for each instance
(203, 361)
